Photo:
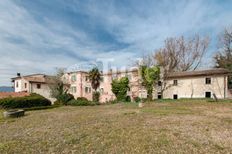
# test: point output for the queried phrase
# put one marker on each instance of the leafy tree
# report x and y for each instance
(150, 76)
(120, 88)
(58, 89)
(95, 78)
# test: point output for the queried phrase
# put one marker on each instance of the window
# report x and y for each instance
(114, 76)
(207, 80)
(87, 79)
(101, 90)
(102, 79)
(17, 84)
(175, 82)
(25, 85)
(207, 94)
(159, 83)
(229, 82)
(129, 76)
(73, 78)
(73, 89)
(175, 96)
(38, 86)
(87, 90)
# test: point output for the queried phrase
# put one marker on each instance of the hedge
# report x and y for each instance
(81, 101)
(34, 100)
(41, 108)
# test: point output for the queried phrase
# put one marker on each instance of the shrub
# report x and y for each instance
(96, 96)
(137, 99)
(81, 101)
(64, 98)
(41, 108)
(128, 99)
(34, 100)
(58, 102)
(112, 101)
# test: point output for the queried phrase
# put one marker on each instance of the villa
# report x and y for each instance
(35, 83)
(192, 84)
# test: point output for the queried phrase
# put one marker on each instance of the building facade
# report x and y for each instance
(194, 84)
(198, 84)
(80, 85)
(35, 83)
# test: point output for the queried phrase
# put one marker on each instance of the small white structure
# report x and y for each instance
(35, 83)
(198, 84)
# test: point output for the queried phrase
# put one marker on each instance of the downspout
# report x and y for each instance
(30, 85)
(81, 86)
(225, 86)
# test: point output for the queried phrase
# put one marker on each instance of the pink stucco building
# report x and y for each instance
(80, 85)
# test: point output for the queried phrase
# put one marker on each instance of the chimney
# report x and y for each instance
(18, 74)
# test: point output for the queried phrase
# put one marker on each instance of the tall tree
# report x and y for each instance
(95, 78)
(150, 76)
(223, 58)
(180, 54)
(58, 88)
(120, 88)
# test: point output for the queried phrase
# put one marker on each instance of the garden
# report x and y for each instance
(164, 126)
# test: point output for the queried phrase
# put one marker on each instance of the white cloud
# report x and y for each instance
(30, 46)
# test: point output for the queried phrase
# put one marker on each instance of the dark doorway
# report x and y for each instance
(159, 95)
(175, 96)
(207, 94)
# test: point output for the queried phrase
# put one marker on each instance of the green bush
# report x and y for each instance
(34, 100)
(112, 101)
(64, 98)
(137, 99)
(58, 103)
(96, 96)
(128, 99)
(81, 101)
(41, 108)
(120, 88)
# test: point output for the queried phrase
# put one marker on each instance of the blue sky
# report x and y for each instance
(36, 36)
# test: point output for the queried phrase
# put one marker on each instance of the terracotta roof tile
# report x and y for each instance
(13, 94)
(215, 71)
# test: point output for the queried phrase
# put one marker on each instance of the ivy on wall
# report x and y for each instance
(120, 88)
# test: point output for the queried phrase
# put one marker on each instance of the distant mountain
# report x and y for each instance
(6, 89)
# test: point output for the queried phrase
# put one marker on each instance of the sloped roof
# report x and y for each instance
(38, 78)
(216, 71)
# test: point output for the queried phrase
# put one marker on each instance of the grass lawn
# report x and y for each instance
(167, 127)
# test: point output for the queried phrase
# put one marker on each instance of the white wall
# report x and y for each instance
(44, 90)
(21, 85)
(195, 87)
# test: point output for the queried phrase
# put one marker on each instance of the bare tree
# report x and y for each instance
(181, 54)
(223, 58)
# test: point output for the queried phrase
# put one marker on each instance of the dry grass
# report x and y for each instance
(184, 127)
